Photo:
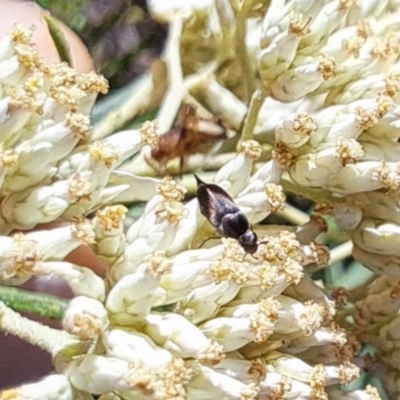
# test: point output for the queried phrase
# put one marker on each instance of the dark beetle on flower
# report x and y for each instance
(224, 214)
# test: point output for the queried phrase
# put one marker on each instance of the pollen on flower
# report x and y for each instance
(340, 296)
(320, 252)
(385, 104)
(158, 264)
(172, 379)
(251, 148)
(292, 270)
(22, 97)
(27, 255)
(213, 355)
(8, 158)
(140, 377)
(67, 96)
(353, 45)
(232, 249)
(348, 372)
(258, 369)
(251, 392)
(392, 81)
(34, 83)
(304, 124)
(61, 75)
(170, 190)
(366, 118)
(386, 47)
(84, 325)
(297, 25)
(111, 217)
(372, 392)
(263, 321)
(92, 83)
(279, 392)
(283, 155)
(150, 133)
(324, 208)
(364, 28)
(312, 318)
(104, 152)
(82, 230)
(21, 34)
(173, 211)
(276, 197)
(328, 66)
(387, 176)
(318, 382)
(79, 188)
(28, 56)
(79, 124)
(268, 275)
(290, 245)
(348, 151)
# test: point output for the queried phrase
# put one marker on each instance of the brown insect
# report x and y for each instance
(190, 135)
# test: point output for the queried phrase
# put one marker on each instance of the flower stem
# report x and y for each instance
(34, 303)
(49, 339)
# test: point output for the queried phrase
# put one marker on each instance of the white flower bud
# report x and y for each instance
(296, 83)
(139, 188)
(378, 237)
(234, 175)
(82, 281)
(179, 336)
(53, 387)
(109, 231)
(204, 302)
(212, 385)
(131, 298)
(85, 317)
(57, 243)
(235, 332)
(98, 374)
(135, 346)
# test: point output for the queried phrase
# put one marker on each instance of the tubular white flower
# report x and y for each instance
(234, 175)
(139, 188)
(204, 302)
(135, 346)
(270, 172)
(277, 18)
(278, 56)
(326, 21)
(346, 216)
(235, 332)
(109, 231)
(179, 336)
(132, 297)
(299, 370)
(85, 318)
(213, 385)
(37, 157)
(82, 281)
(58, 242)
(378, 237)
(52, 387)
(187, 228)
(296, 83)
(156, 229)
(96, 374)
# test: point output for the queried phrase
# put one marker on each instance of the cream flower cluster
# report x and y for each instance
(172, 321)
(319, 80)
